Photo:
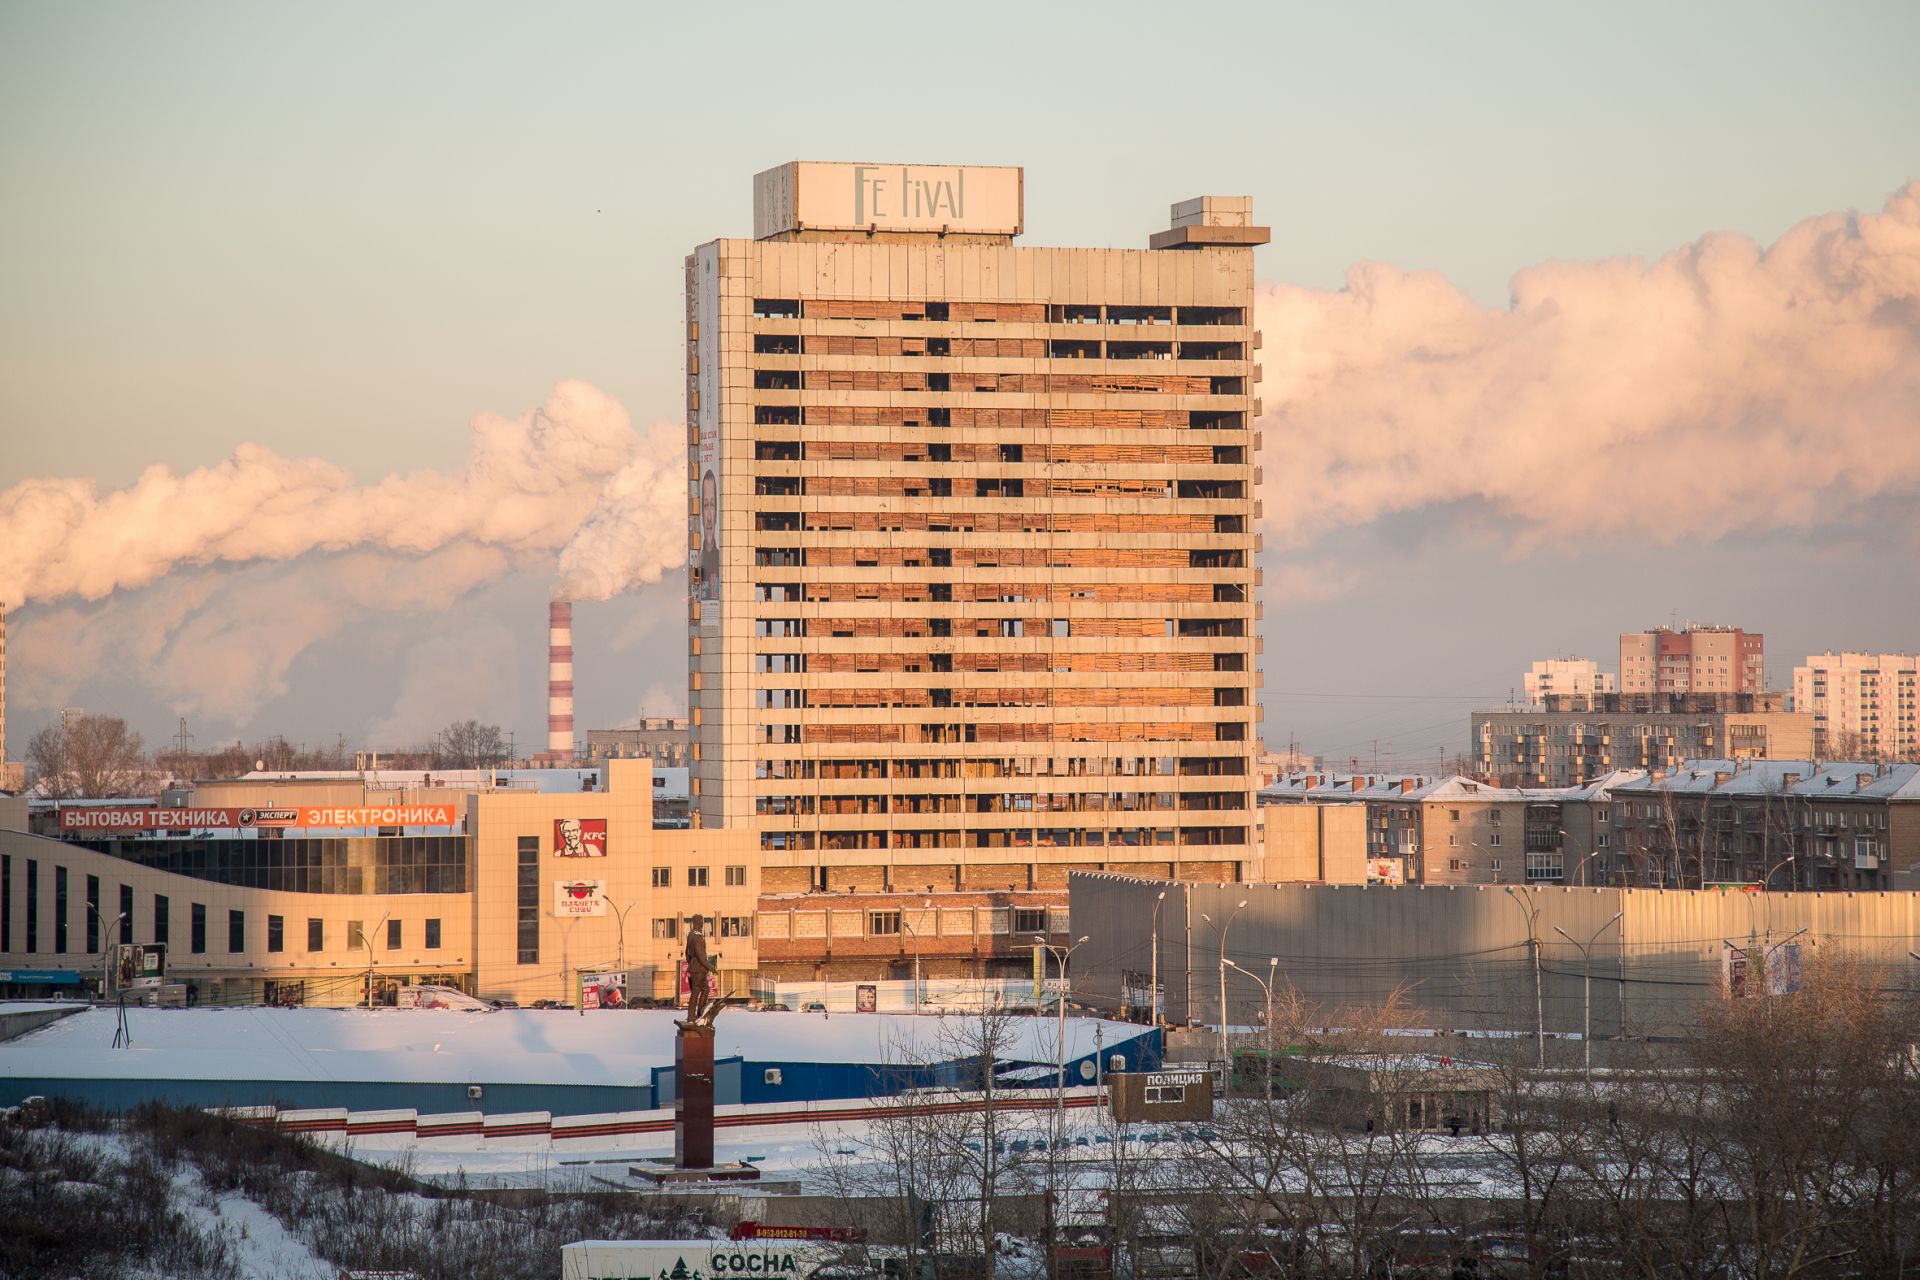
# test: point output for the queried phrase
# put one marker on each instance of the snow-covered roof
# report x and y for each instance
(1324, 788)
(531, 1046)
(1804, 779)
(542, 780)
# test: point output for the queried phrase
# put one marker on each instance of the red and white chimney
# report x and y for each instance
(560, 678)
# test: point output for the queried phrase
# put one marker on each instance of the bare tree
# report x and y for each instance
(88, 757)
(468, 744)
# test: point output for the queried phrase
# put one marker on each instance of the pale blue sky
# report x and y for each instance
(343, 229)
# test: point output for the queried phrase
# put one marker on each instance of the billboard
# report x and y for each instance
(603, 990)
(579, 837)
(956, 199)
(1785, 969)
(139, 966)
(580, 898)
(866, 998)
(1386, 871)
(686, 987)
(113, 818)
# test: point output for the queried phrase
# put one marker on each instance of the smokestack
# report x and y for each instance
(560, 678)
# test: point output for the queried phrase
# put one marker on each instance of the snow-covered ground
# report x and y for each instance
(530, 1046)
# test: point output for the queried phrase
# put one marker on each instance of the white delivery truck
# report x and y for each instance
(703, 1259)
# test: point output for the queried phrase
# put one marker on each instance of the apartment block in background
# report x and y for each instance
(1576, 740)
(1865, 706)
(972, 596)
(1564, 676)
(1694, 660)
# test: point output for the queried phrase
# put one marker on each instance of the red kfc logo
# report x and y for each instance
(579, 837)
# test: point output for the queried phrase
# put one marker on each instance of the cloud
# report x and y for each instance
(218, 644)
(528, 486)
(448, 677)
(1724, 389)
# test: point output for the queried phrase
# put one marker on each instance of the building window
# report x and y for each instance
(1030, 921)
(696, 877)
(59, 910)
(1495, 864)
(433, 935)
(276, 933)
(33, 904)
(663, 877)
(6, 903)
(1600, 841)
(1453, 841)
(736, 878)
(736, 926)
(126, 914)
(316, 935)
(1494, 839)
(356, 935)
(93, 914)
(1166, 1093)
(236, 931)
(197, 935)
(666, 927)
(394, 934)
(528, 948)
(162, 918)
(883, 923)
(1453, 864)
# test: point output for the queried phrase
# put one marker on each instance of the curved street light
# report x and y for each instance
(1766, 880)
(1586, 955)
(1063, 954)
(1223, 983)
(1266, 985)
(1532, 913)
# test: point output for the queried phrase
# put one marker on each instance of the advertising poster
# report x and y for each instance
(866, 998)
(603, 990)
(579, 837)
(686, 988)
(1785, 970)
(1386, 871)
(580, 898)
(707, 470)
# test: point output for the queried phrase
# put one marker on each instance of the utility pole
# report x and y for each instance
(181, 742)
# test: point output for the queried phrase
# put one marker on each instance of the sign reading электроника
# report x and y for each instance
(811, 195)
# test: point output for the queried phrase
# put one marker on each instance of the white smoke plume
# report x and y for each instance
(1725, 388)
(528, 486)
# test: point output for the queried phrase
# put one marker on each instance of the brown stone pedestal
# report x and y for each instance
(693, 1098)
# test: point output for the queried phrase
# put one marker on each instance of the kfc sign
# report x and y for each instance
(579, 837)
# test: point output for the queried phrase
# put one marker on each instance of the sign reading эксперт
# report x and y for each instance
(809, 195)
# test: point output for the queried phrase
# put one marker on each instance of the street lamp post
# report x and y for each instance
(1586, 956)
(1578, 866)
(620, 920)
(1228, 1078)
(367, 938)
(1153, 992)
(924, 906)
(1766, 881)
(1266, 985)
(1062, 955)
(106, 945)
(1539, 1001)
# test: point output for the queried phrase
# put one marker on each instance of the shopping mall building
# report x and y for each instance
(296, 889)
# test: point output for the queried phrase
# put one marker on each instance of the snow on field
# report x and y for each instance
(262, 1247)
(531, 1046)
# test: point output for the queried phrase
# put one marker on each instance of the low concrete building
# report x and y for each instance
(1396, 1092)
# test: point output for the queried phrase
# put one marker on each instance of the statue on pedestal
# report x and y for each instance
(703, 1005)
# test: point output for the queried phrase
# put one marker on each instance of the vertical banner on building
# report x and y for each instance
(704, 388)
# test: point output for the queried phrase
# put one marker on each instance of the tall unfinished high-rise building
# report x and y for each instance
(972, 586)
